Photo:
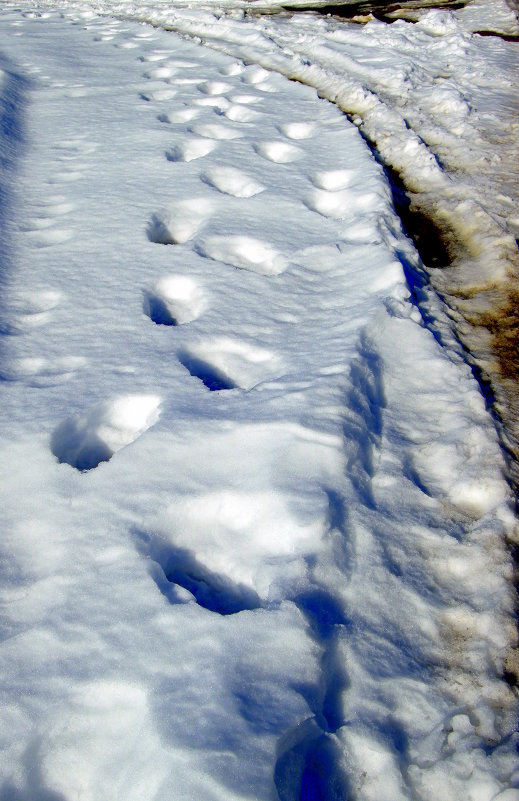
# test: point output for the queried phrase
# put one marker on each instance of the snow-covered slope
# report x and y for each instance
(255, 511)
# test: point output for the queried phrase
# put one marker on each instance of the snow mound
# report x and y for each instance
(86, 441)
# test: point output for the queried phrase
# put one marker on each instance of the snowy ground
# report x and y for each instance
(254, 505)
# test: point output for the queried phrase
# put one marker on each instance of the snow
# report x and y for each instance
(255, 513)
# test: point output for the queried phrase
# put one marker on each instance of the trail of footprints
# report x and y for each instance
(209, 117)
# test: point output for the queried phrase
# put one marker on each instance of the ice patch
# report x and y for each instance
(85, 441)
(232, 181)
(278, 152)
(174, 300)
(244, 252)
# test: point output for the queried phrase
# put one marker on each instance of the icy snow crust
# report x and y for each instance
(254, 510)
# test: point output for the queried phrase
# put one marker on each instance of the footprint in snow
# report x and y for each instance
(67, 176)
(50, 236)
(238, 113)
(219, 103)
(332, 180)
(224, 363)
(151, 58)
(298, 130)
(340, 204)
(158, 95)
(182, 115)
(232, 69)
(185, 81)
(85, 441)
(191, 149)
(231, 181)
(243, 252)
(216, 131)
(178, 223)
(174, 300)
(255, 76)
(39, 371)
(246, 100)
(182, 578)
(214, 88)
(278, 152)
(161, 73)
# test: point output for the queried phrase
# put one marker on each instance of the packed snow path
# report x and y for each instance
(253, 545)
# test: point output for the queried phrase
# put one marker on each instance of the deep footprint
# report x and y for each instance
(210, 376)
(85, 441)
(174, 300)
(180, 568)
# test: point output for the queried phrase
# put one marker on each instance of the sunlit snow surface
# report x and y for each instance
(254, 510)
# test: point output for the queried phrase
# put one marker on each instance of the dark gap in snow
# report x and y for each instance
(210, 376)
(506, 37)
(309, 766)
(212, 591)
(321, 610)
(385, 12)
(428, 238)
(179, 567)
(156, 309)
